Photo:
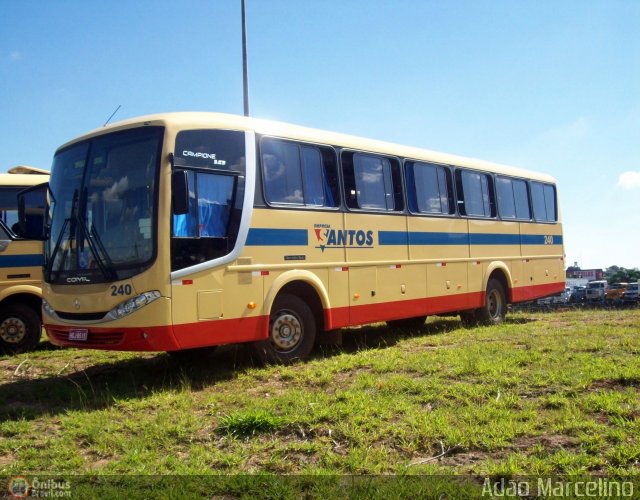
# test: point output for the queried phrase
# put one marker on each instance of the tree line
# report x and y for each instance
(616, 274)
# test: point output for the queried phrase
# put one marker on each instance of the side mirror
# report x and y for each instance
(180, 192)
(33, 212)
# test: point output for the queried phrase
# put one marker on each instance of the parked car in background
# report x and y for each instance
(565, 297)
(615, 292)
(579, 294)
(630, 295)
(557, 299)
(597, 290)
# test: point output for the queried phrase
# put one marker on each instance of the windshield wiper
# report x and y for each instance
(107, 270)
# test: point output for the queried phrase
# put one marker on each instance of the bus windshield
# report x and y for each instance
(103, 195)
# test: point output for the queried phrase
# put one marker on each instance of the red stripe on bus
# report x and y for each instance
(524, 293)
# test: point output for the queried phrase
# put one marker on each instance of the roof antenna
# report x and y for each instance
(112, 115)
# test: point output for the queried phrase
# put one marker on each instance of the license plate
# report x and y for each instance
(81, 334)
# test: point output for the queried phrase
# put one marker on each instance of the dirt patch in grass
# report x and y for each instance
(615, 384)
(7, 459)
(466, 458)
(548, 441)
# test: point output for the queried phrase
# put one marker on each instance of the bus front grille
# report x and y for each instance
(92, 316)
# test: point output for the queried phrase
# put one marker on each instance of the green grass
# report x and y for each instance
(542, 394)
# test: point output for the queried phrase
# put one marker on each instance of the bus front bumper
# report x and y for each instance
(156, 338)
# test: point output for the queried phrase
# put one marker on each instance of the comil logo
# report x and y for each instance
(342, 238)
(18, 487)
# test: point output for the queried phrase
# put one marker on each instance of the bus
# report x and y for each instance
(20, 267)
(179, 231)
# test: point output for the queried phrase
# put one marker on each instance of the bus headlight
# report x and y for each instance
(128, 306)
(48, 309)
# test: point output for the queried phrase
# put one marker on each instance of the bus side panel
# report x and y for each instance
(20, 263)
(305, 239)
(223, 331)
(212, 308)
(543, 261)
(406, 283)
(492, 241)
(374, 243)
(443, 243)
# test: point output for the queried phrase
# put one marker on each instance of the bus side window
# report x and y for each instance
(429, 188)
(506, 200)
(543, 197)
(298, 174)
(521, 196)
(210, 198)
(9, 209)
(205, 232)
(372, 182)
(215, 194)
(475, 194)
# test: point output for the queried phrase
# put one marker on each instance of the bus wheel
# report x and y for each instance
(20, 328)
(495, 304)
(292, 332)
(408, 324)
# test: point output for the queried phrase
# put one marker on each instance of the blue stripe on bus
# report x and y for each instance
(277, 237)
(539, 239)
(300, 237)
(399, 238)
(29, 260)
(494, 239)
(421, 238)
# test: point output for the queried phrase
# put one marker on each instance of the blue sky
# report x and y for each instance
(547, 85)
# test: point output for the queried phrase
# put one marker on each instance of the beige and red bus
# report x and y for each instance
(186, 230)
(20, 267)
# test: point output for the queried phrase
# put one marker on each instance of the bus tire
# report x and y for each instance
(292, 332)
(408, 324)
(495, 305)
(20, 328)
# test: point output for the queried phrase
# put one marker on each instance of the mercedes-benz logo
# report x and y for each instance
(76, 303)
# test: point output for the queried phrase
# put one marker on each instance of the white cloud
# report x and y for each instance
(629, 180)
(15, 56)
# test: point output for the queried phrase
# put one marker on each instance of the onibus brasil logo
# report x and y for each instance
(18, 487)
(21, 487)
(342, 238)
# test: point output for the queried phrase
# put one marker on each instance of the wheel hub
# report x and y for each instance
(494, 303)
(286, 332)
(13, 330)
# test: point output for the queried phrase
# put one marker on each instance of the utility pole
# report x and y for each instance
(245, 66)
